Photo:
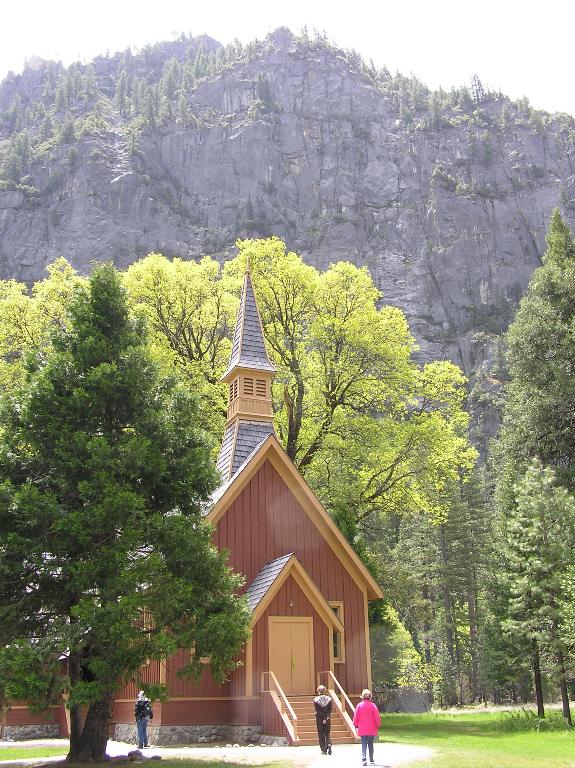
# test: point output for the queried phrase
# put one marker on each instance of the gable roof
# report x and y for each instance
(248, 348)
(264, 580)
(270, 579)
(241, 439)
(271, 450)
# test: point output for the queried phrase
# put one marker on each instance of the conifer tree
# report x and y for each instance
(538, 425)
(105, 557)
(539, 542)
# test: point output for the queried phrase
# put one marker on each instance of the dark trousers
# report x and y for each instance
(323, 730)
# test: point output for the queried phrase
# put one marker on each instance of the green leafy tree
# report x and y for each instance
(105, 556)
(26, 319)
(191, 314)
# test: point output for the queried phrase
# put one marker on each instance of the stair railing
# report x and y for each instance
(340, 699)
(281, 702)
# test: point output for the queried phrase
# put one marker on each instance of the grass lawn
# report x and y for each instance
(478, 740)
(23, 753)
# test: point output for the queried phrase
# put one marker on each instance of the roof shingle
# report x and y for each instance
(248, 348)
(259, 587)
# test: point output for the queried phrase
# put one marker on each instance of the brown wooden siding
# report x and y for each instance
(21, 715)
(196, 712)
(186, 687)
(265, 522)
(204, 712)
(150, 673)
(271, 720)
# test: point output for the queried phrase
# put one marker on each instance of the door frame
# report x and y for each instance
(299, 620)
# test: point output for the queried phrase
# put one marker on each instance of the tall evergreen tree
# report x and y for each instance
(538, 424)
(539, 539)
(103, 479)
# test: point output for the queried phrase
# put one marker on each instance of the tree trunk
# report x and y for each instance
(427, 642)
(563, 687)
(473, 637)
(75, 674)
(3, 716)
(446, 594)
(537, 678)
(91, 746)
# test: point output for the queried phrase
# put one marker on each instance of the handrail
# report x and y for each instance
(344, 697)
(284, 707)
(341, 699)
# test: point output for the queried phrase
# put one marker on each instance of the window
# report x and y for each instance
(261, 389)
(338, 640)
(248, 387)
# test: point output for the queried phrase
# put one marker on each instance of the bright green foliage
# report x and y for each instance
(372, 431)
(104, 478)
(190, 316)
(395, 660)
(29, 673)
(26, 320)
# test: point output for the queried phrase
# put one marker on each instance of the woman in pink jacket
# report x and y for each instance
(367, 721)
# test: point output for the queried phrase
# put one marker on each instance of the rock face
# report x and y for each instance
(448, 211)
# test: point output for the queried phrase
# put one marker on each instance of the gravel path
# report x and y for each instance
(345, 755)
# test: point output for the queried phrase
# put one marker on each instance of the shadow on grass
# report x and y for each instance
(169, 763)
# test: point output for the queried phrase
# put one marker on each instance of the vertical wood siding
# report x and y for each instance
(271, 720)
(265, 522)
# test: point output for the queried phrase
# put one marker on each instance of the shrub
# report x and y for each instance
(527, 720)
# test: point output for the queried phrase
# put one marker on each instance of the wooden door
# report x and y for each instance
(291, 652)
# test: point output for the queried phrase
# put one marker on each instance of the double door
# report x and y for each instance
(291, 656)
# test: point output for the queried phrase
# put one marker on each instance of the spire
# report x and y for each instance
(248, 348)
(249, 377)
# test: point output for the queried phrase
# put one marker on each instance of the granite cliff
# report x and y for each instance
(444, 197)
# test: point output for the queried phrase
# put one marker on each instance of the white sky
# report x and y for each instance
(523, 47)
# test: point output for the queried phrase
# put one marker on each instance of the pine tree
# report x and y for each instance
(122, 92)
(538, 425)
(539, 539)
(104, 477)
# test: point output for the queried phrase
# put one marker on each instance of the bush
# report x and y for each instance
(527, 720)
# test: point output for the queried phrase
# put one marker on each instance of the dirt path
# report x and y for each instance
(386, 755)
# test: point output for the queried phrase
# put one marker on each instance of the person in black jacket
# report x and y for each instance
(143, 713)
(323, 705)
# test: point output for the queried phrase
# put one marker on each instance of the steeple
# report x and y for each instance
(249, 378)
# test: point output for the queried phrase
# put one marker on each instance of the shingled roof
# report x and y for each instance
(241, 439)
(248, 349)
(259, 587)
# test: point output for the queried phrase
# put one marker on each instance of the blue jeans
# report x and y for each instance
(142, 726)
(367, 743)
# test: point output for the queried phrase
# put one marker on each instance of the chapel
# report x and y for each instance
(307, 590)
